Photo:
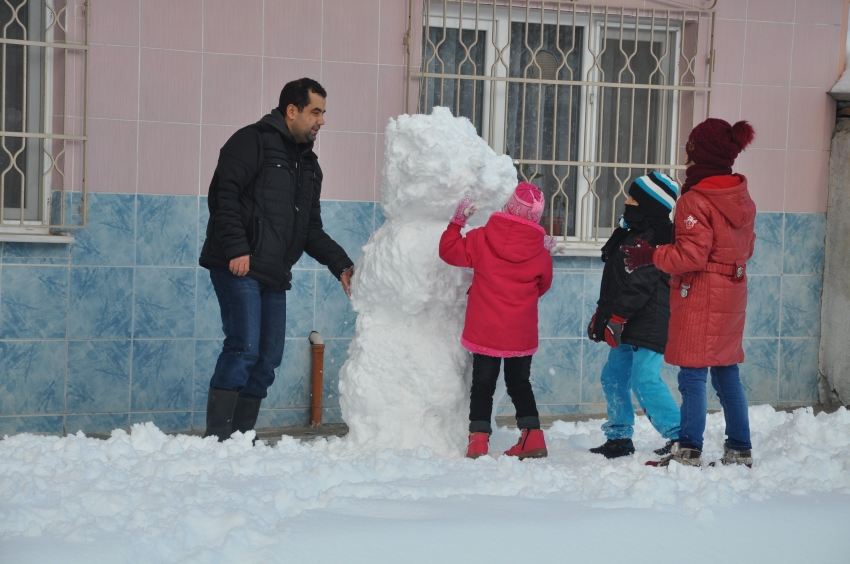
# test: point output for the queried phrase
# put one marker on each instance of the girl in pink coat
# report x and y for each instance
(512, 269)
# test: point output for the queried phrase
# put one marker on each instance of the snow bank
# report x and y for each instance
(186, 498)
(406, 381)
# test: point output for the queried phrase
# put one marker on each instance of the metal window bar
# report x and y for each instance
(584, 97)
(43, 111)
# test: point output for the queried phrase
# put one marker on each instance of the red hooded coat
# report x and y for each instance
(713, 239)
(511, 271)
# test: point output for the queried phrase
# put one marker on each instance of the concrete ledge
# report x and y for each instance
(271, 435)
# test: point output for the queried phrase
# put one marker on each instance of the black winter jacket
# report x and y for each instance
(264, 201)
(642, 297)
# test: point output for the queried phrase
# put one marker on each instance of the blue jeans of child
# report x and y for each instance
(727, 383)
(636, 369)
(253, 318)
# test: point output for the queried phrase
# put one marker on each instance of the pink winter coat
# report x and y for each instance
(511, 271)
(713, 239)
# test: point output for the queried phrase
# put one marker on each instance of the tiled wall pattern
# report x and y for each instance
(170, 81)
(775, 62)
(123, 326)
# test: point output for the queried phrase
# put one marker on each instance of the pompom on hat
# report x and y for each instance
(715, 142)
(526, 202)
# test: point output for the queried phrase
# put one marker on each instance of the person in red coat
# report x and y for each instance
(713, 240)
(512, 269)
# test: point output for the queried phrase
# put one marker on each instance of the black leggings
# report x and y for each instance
(485, 372)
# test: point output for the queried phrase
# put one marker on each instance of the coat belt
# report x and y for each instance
(726, 269)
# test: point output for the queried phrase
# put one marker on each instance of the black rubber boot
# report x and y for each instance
(615, 448)
(245, 414)
(220, 407)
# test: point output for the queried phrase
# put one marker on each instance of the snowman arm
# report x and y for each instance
(454, 247)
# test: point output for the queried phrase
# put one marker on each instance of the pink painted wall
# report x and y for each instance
(170, 80)
(776, 59)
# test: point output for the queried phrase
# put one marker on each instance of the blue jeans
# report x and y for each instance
(253, 318)
(727, 383)
(636, 369)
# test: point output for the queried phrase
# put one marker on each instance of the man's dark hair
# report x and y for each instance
(297, 93)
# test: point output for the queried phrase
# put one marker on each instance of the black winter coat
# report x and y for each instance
(642, 297)
(264, 201)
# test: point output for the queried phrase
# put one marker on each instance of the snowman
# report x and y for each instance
(406, 381)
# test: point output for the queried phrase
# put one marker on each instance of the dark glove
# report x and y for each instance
(596, 329)
(637, 256)
(614, 331)
(591, 329)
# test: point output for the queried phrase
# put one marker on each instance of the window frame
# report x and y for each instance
(60, 156)
(592, 130)
(499, 15)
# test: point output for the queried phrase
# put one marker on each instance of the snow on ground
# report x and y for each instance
(150, 497)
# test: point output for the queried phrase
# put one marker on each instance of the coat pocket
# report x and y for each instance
(257, 239)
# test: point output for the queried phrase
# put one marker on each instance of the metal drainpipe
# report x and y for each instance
(318, 344)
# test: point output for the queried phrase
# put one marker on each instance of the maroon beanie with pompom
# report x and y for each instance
(713, 146)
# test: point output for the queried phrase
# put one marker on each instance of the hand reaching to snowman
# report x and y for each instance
(464, 211)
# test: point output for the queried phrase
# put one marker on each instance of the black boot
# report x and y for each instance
(245, 414)
(615, 448)
(220, 407)
(665, 450)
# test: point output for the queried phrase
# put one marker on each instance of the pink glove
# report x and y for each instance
(637, 256)
(549, 242)
(464, 210)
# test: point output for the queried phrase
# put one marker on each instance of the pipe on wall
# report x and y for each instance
(317, 380)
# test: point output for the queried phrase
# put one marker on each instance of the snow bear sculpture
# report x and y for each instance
(406, 381)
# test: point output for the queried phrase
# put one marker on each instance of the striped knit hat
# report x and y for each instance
(655, 193)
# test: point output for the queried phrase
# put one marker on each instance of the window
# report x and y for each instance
(42, 115)
(584, 98)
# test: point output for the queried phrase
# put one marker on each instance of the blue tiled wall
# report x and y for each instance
(123, 327)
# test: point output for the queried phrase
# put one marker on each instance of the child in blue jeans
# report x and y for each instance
(632, 316)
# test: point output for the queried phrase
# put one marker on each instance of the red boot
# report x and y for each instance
(478, 443)
(531, 445)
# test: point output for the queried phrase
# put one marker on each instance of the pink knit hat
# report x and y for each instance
(526, 202)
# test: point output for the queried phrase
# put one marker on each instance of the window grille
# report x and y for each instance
(43, 57)
(584, 97)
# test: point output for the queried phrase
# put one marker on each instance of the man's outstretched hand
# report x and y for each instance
(637, 256)
(345, 280)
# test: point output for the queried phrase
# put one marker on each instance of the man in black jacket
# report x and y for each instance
(632, 317)
(264, 213)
